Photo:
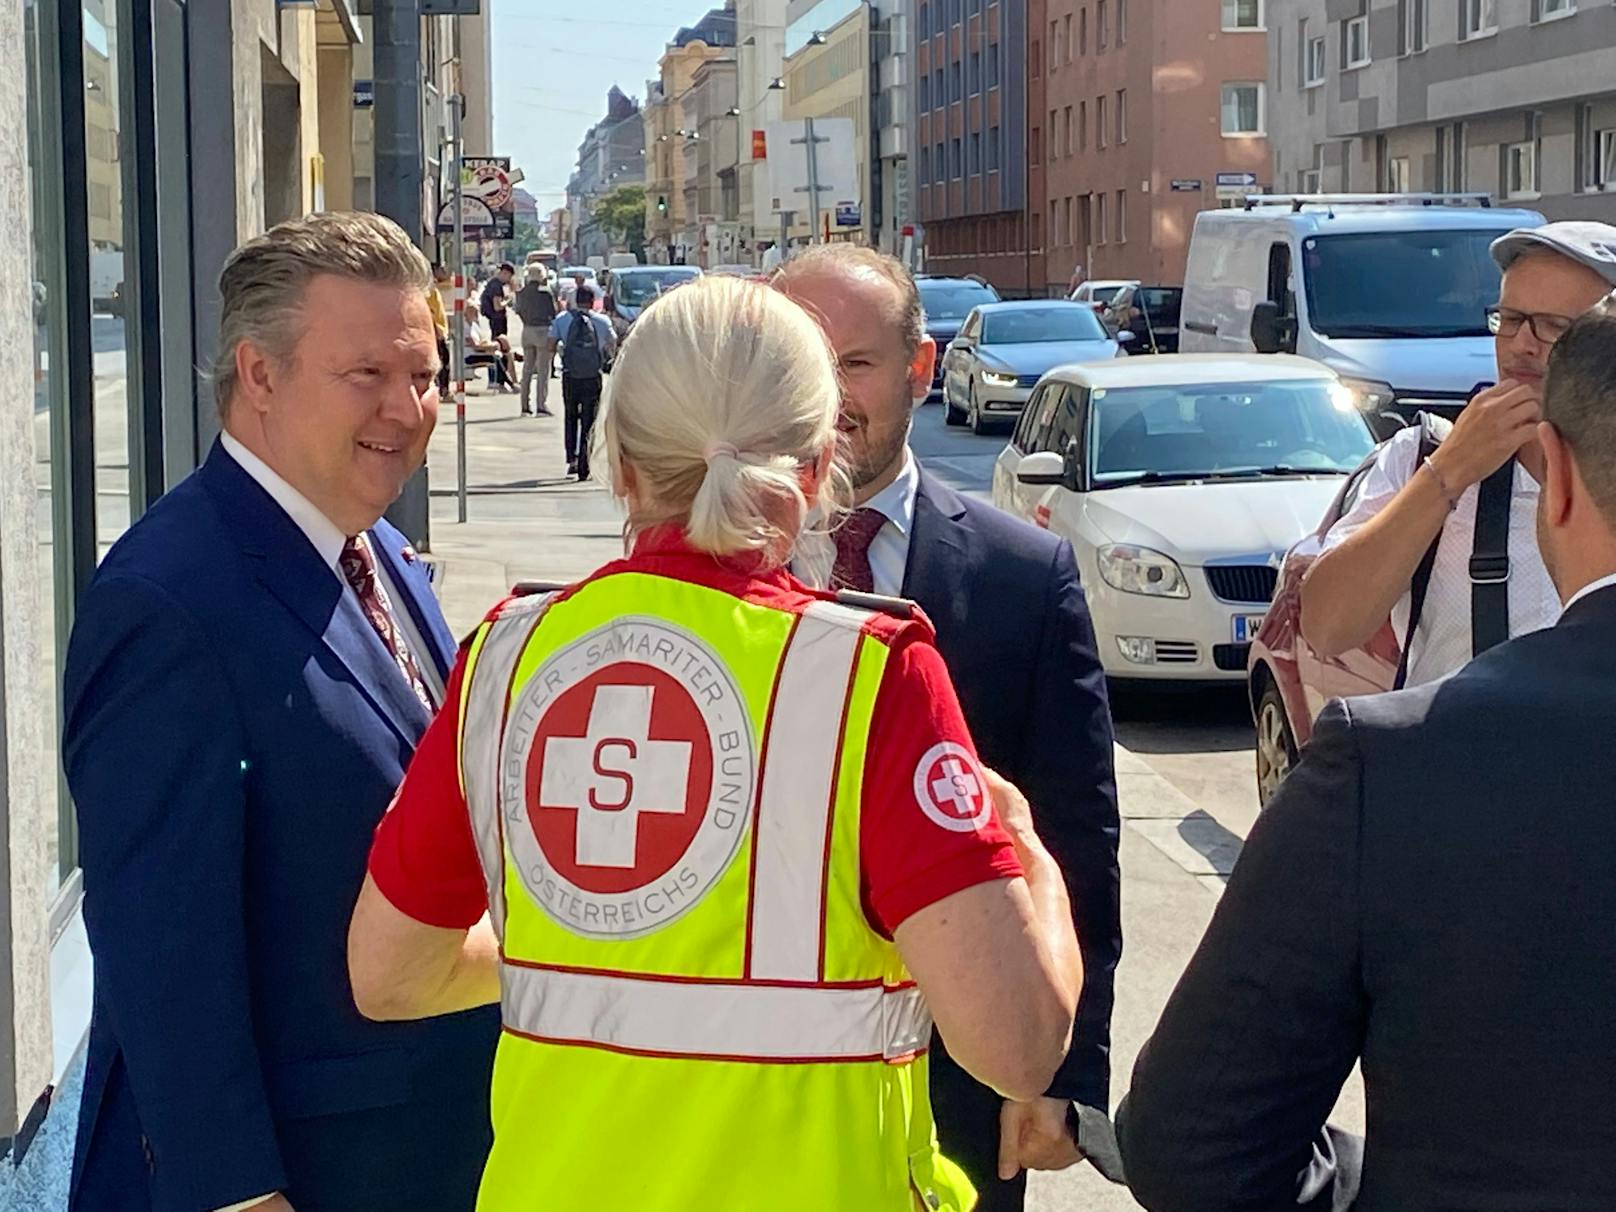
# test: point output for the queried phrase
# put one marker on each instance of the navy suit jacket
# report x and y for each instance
(234, 730)
(1014, 630)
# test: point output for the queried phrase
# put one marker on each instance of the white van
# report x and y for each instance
(1388, 290)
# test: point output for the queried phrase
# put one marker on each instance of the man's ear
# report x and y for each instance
(256, 375)
(1560, 475)
(922, 367)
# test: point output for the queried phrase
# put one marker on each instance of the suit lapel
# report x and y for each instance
(937, 552)
(408, 580)
(287, 566)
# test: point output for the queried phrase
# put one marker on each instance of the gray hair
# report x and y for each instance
(263, 282)
(1579, 399)
(851, 259)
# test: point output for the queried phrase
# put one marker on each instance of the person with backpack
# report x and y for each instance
(587, 342)
(1443, 535)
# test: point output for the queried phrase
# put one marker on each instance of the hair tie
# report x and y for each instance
(722, 448)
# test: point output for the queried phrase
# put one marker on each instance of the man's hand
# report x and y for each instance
(275, 1203)
(1035, 1136)
(1493, 427)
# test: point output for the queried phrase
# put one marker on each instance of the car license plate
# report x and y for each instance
(1246, 627)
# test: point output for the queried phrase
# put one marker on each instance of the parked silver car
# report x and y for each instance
(1003, 349)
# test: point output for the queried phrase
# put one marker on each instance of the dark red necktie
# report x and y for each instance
(358, 565)
(853, 539)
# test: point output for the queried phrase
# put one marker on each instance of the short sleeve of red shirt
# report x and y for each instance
(927, 825)
(423, 857)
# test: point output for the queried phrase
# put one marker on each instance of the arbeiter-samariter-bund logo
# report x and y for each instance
(626, 778)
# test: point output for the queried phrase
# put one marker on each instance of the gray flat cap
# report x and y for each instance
(1590, 244)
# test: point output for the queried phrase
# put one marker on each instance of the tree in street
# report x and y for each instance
(622, 213)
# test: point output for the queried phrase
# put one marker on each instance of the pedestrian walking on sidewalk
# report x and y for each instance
(744, 812)
(587, 342)
(495, 299)
(535, 306)
(250, 670)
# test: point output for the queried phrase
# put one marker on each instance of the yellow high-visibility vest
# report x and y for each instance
(664, 783)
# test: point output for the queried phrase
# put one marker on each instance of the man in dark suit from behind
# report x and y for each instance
(249, 673)
(1429, 893)
(1013, 627)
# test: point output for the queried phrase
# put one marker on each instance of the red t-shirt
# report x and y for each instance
(919, 844)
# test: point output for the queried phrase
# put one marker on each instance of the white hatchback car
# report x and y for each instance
(1181, 481)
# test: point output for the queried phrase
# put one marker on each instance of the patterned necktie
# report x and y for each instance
(358, 565)
(853, 539)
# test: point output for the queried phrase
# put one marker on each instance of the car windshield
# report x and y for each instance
(1401, 283)
(1033, 325)
(953, 301)
(573, 270)
(636, 290)
(1104, 294)
(1223, 431)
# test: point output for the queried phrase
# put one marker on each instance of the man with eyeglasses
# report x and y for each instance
(1409, 546)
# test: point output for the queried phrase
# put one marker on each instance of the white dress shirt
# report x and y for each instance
(1590, 589)
(1442, 643)
(327, 539)
(889, 550)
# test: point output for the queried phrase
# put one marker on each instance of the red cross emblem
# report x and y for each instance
(950, 788)
(619, 777)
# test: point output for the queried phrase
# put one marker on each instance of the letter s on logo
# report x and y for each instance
(605, 772)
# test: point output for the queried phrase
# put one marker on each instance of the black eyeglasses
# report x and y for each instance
(1546, 326)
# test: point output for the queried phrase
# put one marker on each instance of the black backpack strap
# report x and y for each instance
(1421, 584)
(1489, 562)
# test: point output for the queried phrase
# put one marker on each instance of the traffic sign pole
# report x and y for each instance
(456, 104)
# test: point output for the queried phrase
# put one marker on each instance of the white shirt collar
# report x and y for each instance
(896, 502)
(1591, 589)
(323, 534)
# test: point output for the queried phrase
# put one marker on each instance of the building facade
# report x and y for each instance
(1151, 112)
(612, 153)
(828, 74)
(760, 27)
(668, 223)
(711, 149)
(1513, 98)
(973, 154)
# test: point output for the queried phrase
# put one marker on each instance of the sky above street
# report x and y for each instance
(554, 60)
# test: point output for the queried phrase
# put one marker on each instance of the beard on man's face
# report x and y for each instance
(873, 445)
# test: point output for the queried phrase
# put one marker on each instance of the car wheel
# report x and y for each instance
(1276, 747)
(979, 424)
(951, 415)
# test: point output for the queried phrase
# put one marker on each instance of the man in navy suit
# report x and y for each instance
(1013, 627)
(249, 673)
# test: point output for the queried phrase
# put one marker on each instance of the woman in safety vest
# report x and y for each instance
(718, 843)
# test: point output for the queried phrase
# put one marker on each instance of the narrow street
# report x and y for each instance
(1184, 759)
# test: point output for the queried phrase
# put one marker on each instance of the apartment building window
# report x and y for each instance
(1452, 150)
(1520, 170)
(955, 168)
(1099, 123)
(1083, 30)
(974, 73)
(1605, 159)
(1243, 109)
(993, 149)
(1478, 18)
(1552, 10)
(1396, 175)
(942, 164)
(1054, 45)
(1035, 148)
(938, 97)
(1102, 26)
(1416, 32)
(1066, 119)
(1355, 42)
(1122, 115)
(1099, 218)
(1313, 178)
(1242, 14)
(921, 22)
(1054, 143)
(1071, 225)
(993, 66)
(924, 98)
(925, 165)
(976, 153)
(1034, 60)
(1082, 126)
(1122, 22)
(1122, 216)
(955, 90)
(1066, 36)
(1315, 62)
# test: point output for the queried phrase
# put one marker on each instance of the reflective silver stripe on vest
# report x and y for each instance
(799, 779)
(487, 695)
(712, 1020)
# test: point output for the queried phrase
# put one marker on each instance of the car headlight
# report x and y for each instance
(997, 378)
(1369, 396)
(1141, 570)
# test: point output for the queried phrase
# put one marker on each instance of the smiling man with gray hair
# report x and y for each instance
(249, 672)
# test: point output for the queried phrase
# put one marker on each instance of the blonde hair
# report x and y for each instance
(723, 397)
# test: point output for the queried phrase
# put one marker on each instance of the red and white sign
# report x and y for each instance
(951, 790)
(627, 774)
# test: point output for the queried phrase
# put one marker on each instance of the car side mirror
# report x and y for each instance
(1042, 469)
(1272, 331)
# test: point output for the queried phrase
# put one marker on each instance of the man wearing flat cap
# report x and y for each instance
(1443, 535)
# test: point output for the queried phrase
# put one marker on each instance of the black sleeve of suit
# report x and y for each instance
(156, 760)
(1066, 774)
(1231, 1094)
